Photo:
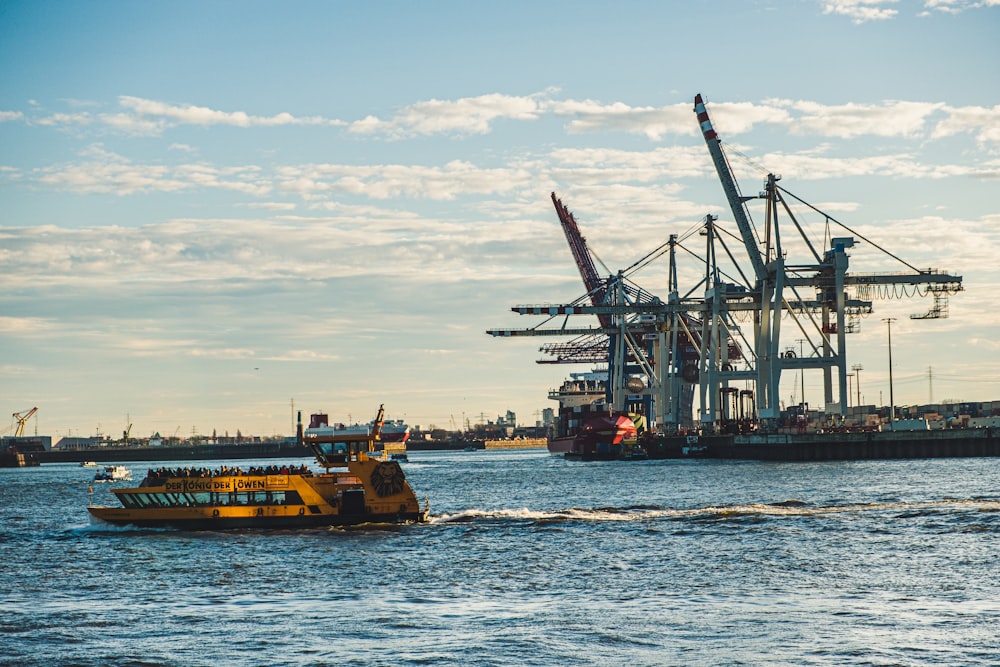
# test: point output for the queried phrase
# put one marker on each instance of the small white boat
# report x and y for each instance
(88, 464)
(113, 474)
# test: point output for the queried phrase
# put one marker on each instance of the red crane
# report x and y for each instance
(581, 253)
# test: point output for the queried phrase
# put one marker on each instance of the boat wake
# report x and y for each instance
(786, 508)
(101, 527)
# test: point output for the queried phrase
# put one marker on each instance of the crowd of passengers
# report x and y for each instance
(226, 471)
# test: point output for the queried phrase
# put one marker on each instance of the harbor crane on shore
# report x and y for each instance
(22, 420)
(775, 283)
(694, 340)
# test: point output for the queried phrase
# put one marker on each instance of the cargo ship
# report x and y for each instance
(20, 451)
(577, 396)
(601, 436)
(586, 428)
(12, 456)
(364, 487)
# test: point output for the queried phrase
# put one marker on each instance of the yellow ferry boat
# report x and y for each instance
(370, 490)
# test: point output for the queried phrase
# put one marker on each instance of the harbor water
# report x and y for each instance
(529, 559)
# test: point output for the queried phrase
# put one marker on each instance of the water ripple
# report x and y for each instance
(531, 560)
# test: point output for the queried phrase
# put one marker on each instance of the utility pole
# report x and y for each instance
(802, 372)
(892, 403)
(857, 368)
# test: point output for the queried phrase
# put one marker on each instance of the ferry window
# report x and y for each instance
(128, 500)
(180, 499)
(334, 447)
(293, 498)
(142, 500)
(276, 497)
(202, 498)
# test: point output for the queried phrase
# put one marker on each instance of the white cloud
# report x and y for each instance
(119, 178)
(105, 172)
(23, 326)
(150, 346)
(892, 118)
(469, 115)
(136, 125)
(6, 116)
(654, 123)
(983, 122)
(667, 161)
(271, 205)
(861, 11)
(302, 355)
(590, 116)
(228, 353)
(195, 115)
(60, 119)
(412, 181)
(959, 6)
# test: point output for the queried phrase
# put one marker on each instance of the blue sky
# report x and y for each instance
(209, 210)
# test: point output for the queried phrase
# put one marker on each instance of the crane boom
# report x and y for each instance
(22, 420)
(377, 424)
(729, 186)
(584, 261)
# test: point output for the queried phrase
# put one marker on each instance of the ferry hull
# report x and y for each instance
(123, 517)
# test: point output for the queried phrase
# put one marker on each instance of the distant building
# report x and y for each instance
(71, 443)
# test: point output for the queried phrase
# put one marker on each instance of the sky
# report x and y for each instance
(213, 215)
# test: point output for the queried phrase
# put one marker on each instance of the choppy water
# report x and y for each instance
(531, 560)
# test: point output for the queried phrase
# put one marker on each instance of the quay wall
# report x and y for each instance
(523, 443)
(861, 450)
(256, 450)
(831, 446)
